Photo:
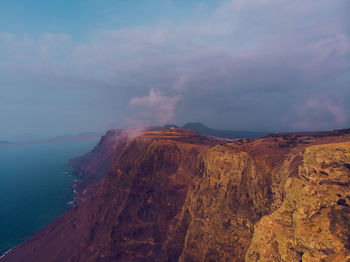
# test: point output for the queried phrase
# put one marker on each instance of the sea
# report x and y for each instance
(35, 187)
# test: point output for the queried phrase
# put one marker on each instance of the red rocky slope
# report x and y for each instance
(179, 196)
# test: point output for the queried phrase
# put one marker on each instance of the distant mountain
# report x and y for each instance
(27, 137)
(204, 130)
(58, 139)
(75, 137)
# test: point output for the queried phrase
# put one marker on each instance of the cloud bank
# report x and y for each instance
(247, 65)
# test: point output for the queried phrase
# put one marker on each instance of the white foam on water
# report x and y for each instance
(8, 251)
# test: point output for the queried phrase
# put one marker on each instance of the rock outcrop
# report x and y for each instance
(313, 222)
(174, 195)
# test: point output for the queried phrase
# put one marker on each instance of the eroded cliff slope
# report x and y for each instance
(313, 222)
(179, 196)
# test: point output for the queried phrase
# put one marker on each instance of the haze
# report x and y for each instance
(263, 65)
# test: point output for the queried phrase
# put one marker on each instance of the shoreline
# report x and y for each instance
(2, 255)
(8, 251)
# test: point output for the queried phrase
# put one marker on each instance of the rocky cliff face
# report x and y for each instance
(94, 166)
(313, 222)
(179, 196)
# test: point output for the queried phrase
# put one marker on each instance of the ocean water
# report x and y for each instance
(35, 187)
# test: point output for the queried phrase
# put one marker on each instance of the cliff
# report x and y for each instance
(94, 166)
(313, 222)
(179, 196)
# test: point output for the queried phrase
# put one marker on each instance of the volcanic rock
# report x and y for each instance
(175, 195)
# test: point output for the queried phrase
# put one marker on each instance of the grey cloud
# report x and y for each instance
(248, 65)
(319, 112)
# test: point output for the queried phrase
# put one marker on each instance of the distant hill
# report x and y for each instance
(75, 137)
(58, 139)
(204, 130)
(26, 137)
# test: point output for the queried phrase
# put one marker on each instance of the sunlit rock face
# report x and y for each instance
(174, 195)
(313, 222)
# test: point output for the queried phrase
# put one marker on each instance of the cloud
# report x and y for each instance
(181, 82)
(245, 65)
(156, 107)
(134, 132)
(320, 112)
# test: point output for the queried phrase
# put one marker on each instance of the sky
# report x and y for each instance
(69, 66)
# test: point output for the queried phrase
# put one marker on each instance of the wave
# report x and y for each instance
(8, 251)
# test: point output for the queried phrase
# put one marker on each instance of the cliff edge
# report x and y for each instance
(174, 195)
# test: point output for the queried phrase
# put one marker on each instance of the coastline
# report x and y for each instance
(8, 251)
(72, 205)
(67, 199)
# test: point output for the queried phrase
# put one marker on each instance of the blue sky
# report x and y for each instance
(78, 17)
(72, 66)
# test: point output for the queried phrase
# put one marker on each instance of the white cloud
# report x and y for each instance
(156, 107)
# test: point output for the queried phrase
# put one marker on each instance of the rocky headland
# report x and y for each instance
(175, 195)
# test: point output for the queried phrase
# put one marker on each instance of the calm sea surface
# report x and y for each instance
(35, 187)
